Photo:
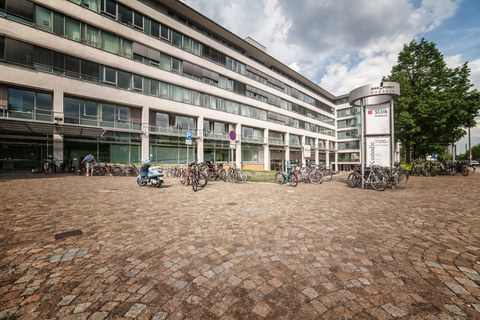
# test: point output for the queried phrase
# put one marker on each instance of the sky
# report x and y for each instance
(344, 44)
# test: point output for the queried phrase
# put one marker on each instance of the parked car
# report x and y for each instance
(474, 163)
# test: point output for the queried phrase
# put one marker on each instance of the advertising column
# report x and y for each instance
(377, 132)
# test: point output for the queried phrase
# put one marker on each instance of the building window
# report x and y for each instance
(154, 29)
(93, 5)
(58, 24)
(176, 39)
(138, 83)
(137, 20)
(165, 62)
(109, 42)
(90, 71)
(90, 108)
(124, 80)
(43, 19)
(110, 75)
(72, 66)
(165, 32)
(91, 36)
(20, 100)
(109, 7)
(2, 47)
(72, 29)
(125, 15)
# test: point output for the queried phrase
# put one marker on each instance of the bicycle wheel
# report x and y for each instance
(241, 176)
(327, 175)
(202, 179)
(378, 181)
(293, 179)
(317, 177)
(222, 175)
(402, 179)
(353, 180)
(195, 183)
(279, 178)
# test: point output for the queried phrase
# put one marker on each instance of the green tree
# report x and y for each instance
(475, 154)
(436, 102)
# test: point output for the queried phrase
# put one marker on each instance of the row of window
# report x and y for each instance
(348, 112)
(352, 122)
(77, 110)
(59, 24)
(348, 145)
(348, 134)
(59, 63)
(132, 18)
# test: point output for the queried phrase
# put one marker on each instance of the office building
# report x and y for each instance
(132, 80)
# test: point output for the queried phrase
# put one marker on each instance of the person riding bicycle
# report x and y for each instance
(90, 161)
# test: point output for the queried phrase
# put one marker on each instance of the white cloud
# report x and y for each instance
(338, 44)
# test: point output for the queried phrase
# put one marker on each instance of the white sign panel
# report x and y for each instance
(377, 119)
(306, 151)
(378, 151)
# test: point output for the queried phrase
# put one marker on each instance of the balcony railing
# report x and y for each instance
(253, 139)
(216, 135)
(172, 130)
(276, 142)
(98, 122)
(36, 114)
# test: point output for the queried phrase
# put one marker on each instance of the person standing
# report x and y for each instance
(89, 161)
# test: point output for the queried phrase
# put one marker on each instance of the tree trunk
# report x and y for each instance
(407, 152)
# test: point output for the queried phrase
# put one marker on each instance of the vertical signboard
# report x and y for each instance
(378, 151)
(377, 119)
(307, 151)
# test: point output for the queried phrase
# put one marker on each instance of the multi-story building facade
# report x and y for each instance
(129, 80)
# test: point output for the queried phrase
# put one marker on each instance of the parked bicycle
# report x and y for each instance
(396, 178)
(289, 176)
(373, 176)
(234, 174)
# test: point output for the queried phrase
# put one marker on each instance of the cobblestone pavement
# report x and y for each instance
(238, 251)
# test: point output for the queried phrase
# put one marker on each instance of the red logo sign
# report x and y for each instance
(370, 111)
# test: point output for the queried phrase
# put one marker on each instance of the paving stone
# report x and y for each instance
(66, 300)
(362, 255)
(135, 310)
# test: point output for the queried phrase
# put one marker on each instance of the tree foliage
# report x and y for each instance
(475, 154)
(436, 102)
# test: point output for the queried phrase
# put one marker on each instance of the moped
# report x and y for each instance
(149, 174)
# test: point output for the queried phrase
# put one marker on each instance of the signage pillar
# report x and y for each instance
(377, 144)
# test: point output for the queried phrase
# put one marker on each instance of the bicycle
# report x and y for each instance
(233, 174)
(375, 177)
(397, 178)
(289, 176)
(199, 178)
(326, 172)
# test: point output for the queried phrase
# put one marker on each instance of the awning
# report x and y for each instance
(39, 127)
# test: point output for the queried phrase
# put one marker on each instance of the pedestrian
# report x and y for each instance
(90, 161)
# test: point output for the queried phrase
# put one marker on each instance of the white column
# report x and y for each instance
(304, 160)
(336, 156)
(145, 134)
(287, 149)
(58, 117)
(327, 153)
(238, 146)
(266, 151)
(199, 140)
(317, 150)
